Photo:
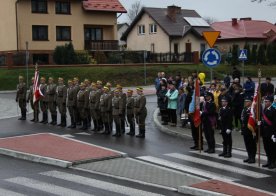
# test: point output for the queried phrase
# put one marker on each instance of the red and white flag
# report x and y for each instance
(252, 121)
(36, 90)
(197, 119)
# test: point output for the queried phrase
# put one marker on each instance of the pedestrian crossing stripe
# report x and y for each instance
(217, 165)
(4, 192)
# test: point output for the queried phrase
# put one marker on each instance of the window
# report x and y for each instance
(63, 33)
(41, 59)
(63, 7)
(39, 6)
(141, 29)
(40, 33)
(153, 28)
(93, 34)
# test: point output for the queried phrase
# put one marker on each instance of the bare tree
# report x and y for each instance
(134, 10)
(271, 2)
(209, 19)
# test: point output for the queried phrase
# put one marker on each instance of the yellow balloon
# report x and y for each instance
(201, 77)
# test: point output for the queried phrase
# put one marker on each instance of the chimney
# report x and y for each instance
(234, 21)
(172, 11)
(247, 18)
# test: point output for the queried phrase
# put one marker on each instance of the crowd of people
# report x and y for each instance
(224, 106)
(87, 103)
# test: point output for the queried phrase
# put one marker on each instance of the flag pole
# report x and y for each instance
(259, 115)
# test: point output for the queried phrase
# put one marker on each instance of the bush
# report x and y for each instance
(261, 55)
(100, 57)
(64, 55)
(253, 57)
(235, 55)
(115, 58)
(82, 57)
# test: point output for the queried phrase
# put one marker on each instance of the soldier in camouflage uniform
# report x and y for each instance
(140, 112)
(42, 100)
(130, 112)
(33, 105)
(21, 97)
(61, 96)
(88, 89)
(51, 100)
(106, 110)
(82, 105)
(94, 104)
(123, 115)
(117, 112)
(76, 111)
(100, 91)
(71, 103)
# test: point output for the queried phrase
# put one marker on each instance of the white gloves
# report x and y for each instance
(273, 138)
(259, 123)
(228, 131)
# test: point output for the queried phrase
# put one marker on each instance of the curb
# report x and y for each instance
(165, 129)
(35, 158)
(7, 92)
(198, 192)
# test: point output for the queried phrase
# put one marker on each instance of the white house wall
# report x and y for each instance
(144, 42)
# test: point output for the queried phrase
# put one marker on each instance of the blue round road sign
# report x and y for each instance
(211, 57)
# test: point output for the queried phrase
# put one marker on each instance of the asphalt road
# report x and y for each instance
(156, 145)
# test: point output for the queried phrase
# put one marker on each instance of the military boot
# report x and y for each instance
(73, 124)
(33, 118)
(107, 129)
(224, 151)
(84, 125)
(36, 116)
(228, 152)
(141, 133)
(63, 121)
(45, 116)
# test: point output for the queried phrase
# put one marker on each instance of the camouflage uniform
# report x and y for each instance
(130, 113)
(71, 104)
(51, 102)
(94, 103)
(61, 95)
(42, 102)
(140, 112)
(117, 112)
(106, 111)
(82, 105)
(21, 97)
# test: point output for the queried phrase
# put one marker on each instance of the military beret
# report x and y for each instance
(105, 87)
(116, 91)
(99, 82)
(269, 98)
(20, 77)
(70, 81)
(33, 78)
(60, 78)
(93, 84)
(248, 98)
(82, 84)
(86, 80)
(129, 91)
(42, 78)
(50, 78)
(225, 98)
(139, 89)
(76, 78)
(108, 84)
(119, 86)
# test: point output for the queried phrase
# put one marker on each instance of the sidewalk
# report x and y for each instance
(237, 138)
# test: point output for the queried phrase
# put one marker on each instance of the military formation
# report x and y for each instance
(89, 105)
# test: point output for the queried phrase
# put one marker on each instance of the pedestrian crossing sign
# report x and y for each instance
(243, 55)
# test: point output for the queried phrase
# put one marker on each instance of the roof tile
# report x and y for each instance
(104, 5)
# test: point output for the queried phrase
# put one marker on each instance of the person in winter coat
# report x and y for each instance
(163, 104)
(237, 105)
(249, 88)
(172, 96)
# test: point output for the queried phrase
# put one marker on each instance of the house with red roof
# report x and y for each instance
(41, 25)
(244, 31)
(171, 30)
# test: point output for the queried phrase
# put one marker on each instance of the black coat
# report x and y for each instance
(268, 130)
(244, 120)
(226, 118)
(209, 114)
(267, 89)
(162, 99)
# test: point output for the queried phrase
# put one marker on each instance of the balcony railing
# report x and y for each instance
(102, 45)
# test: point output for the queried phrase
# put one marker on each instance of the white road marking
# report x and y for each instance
(98, 184)
(67, 135)
(185, 168)
(5, 192)
(46, 187)
(218, 165)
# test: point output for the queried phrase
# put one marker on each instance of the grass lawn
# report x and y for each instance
(126, 76)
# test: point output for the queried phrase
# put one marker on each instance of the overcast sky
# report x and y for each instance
(221, 10)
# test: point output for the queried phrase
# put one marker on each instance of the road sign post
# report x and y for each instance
(243, 57)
